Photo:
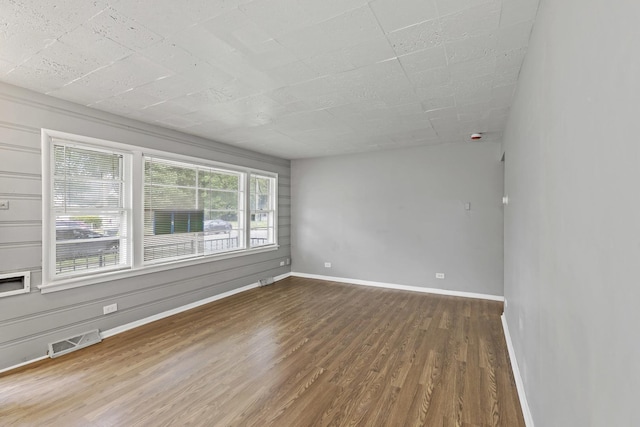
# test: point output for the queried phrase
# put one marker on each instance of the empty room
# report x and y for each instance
(319, 213)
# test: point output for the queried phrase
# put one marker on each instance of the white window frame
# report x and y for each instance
(135, 193)
(273, 193)
(241, 210)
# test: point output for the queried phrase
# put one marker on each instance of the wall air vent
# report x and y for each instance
(15, 283)
(74, 343)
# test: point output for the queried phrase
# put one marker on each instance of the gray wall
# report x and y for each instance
(572, 228)
(398, 217)
(29, 321)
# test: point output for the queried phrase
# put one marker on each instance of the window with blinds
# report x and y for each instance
(112, 206)
(89, 209)
(263, 210)
(191, 210)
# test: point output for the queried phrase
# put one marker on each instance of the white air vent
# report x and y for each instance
(77, 342)
(15, 283)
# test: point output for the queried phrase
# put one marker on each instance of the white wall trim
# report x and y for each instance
(128, 326)
(400, 287)
(526, 412)
(119, 329)
(282, 276)
(19, 365)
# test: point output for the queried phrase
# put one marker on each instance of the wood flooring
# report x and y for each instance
(301, 352)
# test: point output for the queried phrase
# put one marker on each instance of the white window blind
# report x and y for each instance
(263, 210)
(191, 210)
(89, 209)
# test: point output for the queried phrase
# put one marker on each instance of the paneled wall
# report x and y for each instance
(29, 321)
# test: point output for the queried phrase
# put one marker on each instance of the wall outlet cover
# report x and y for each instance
(109, 308)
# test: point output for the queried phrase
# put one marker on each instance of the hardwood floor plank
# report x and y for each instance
(301, 352)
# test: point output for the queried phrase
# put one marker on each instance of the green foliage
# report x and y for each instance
(173, 186)
(93, 220)
(218, 180)
(260, 185)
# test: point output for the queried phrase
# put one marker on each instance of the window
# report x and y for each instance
(185, 208)
(89, 209)
(191, 210)
(263, 217)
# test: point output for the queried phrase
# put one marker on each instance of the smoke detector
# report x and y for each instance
(476, 136)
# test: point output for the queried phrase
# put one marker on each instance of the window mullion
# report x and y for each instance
(137, 208)
(247, 210)
(197, 205)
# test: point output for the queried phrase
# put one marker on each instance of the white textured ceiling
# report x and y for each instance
(292, 78)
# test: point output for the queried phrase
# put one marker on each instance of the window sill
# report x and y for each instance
(77, 282)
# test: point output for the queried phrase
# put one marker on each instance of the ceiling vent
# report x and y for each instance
(77, 342)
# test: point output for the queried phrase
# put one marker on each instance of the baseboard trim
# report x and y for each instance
(400, 287)
(131, 325)
(282, 276)
(20, 365)
(526, 412)
(128, 326)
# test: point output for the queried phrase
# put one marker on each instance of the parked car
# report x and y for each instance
(73, 242)
(216, 226)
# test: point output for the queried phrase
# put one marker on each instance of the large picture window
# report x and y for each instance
(100, 217)
(191, 210)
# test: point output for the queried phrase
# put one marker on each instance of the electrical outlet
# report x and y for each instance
(111, 308)
(4, 204)
(505, 303)
(327, 265)
(288, 261)
(281, 263)
(439, 275)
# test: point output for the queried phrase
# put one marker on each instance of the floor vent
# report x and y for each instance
(267, 281)
(68, 345)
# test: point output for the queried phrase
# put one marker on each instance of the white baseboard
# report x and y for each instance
(526, 412)
(28, 362)
(400, 287)
(282, 276)
(119, 329)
